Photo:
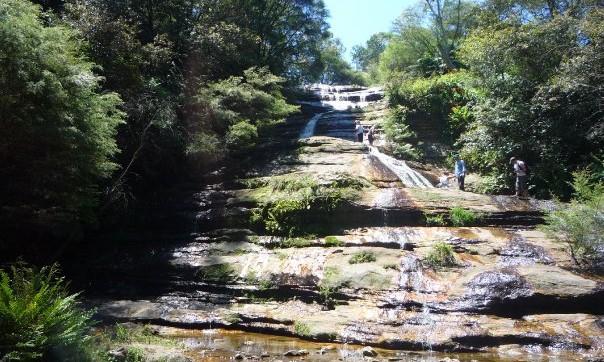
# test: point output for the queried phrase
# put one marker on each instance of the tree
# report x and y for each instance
(541, 85)
(336, 69)
(226, 117)
(365, 56)
(58, 130)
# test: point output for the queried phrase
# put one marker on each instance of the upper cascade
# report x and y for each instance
(341, 97)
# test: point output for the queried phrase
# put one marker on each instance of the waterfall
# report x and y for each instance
(309, 129)
(412, 277)
(408, 176)
(344, 97)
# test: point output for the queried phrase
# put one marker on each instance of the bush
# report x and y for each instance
(362, 257)
(400, 135)
(39, 319)
(433, 219)
(441, 255)
(333, 241)
(217, 273)
(241, 137)
(302, 329)
(461, 217)
(580, 224)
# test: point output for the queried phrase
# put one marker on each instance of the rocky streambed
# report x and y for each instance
(364, 268)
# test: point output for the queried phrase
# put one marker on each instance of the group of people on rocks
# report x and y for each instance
(459, 170)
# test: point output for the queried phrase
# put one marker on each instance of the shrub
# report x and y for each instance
(434, 219)
(241, 137)
(362, 257)
(327, 295)
(302, 329)
(461, 217)
(333, 241)
(398, 132)
(217, 273)
(580, 224)
(39, 319)
(441, 255)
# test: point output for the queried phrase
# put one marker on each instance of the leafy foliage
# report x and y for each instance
(362, 257)
(236, 110)
(529, 85)
(580, 225)
(58, 128)
(333, 241)
(216, 273)
(400, 135)
(461, 217)
(39, 319)
(441, 255)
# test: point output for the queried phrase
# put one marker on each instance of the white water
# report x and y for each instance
(344, 97)
(309, 129)
(408, 176)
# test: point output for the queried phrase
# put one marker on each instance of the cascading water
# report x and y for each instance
(412, 276)
(345, 97)
(309, 129)
(408, 176)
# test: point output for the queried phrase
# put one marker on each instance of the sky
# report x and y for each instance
(355, 21)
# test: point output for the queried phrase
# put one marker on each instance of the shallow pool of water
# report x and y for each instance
(221, 345)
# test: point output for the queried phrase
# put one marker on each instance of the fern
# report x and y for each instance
(39, 319)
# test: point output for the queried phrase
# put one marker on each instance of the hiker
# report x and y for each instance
(443, 181)
(359, 130)
(460, 171)
(371, 134)
(520, 170)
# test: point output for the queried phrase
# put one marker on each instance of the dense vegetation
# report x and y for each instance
(504, 78)
(105, 102)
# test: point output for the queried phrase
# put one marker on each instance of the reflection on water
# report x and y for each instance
(221, 345)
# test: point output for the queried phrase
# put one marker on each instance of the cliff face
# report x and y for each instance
(378, 273)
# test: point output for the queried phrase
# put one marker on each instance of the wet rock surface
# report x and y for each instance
(368, 280)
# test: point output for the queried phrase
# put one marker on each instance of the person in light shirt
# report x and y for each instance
(460, 171)
(520, 170)
(359, 130)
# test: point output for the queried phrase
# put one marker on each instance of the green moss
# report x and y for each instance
(296, 242)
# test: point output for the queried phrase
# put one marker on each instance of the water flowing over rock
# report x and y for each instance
(369, 277)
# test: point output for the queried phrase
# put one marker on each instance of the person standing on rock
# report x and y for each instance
(520, 170)
(371, 135)
(359, 130)
(460, 171)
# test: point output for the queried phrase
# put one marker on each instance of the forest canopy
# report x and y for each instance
(504, 78)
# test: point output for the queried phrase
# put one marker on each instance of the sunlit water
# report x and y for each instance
(341, 98)
(222, 345)
(309, 129)
(408, 176)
